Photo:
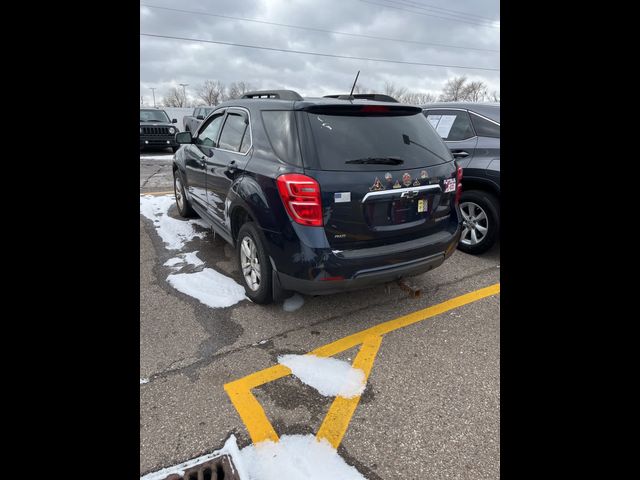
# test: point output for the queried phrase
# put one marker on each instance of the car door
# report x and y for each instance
(455, 128)
(229, 160)
(487, 154)
(196, 155)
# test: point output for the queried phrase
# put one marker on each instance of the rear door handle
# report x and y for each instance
(459, 153)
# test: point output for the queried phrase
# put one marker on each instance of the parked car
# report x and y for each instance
(156, 130)
(321, 195)
(193, 121)
(472, 132)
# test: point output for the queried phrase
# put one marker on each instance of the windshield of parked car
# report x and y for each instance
(154, 116)
(349, 142)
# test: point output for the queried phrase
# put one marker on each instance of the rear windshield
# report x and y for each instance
(369, 143)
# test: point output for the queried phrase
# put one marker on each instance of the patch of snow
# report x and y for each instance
(329, 376)
(210, 287)
(189, 258)
(143, 381)
(293, 303)
(157, 157)
(230, 448)
(174, 233)
(296, 457)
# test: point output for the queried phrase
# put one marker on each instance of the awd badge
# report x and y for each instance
(377, 185)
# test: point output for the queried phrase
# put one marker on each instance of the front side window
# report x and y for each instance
(208, 135)
(451, 125)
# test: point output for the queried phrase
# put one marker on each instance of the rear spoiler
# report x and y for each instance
(377, 97)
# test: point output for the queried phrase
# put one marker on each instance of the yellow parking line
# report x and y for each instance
(337, 420)
(156, 193)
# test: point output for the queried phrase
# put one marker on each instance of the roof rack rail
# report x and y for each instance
(275, 94)
(378, 97)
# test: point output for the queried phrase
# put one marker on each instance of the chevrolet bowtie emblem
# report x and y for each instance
(410, 194)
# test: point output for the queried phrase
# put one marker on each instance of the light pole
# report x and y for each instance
(184, 92)
(154, 96)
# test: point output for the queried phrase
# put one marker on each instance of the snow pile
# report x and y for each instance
(143, 381)
(189, 258)
(210, 287)
(293, 303)
(174, 233)
(294, 457)
(329, 376)
(157, 157)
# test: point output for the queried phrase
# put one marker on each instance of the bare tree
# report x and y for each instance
(175, 98)
(453, 90)
(495, 96)
(393, 91)
(474, 92)
(212, 92)
(238, 89)
(418, 98)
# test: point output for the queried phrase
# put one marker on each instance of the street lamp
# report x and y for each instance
(184, 92)
(154, 96)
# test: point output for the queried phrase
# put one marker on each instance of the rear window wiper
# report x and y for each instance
(377, 161)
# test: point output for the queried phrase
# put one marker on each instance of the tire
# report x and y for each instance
(249, 238)
(479, 210)
(184, 207)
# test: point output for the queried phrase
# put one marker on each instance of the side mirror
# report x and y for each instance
(174, 120)
(199, 117)
(184, 138)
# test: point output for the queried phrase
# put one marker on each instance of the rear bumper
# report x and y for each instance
(323, 271)
(363, 279)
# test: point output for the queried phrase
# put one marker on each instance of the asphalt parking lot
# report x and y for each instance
(431, 407)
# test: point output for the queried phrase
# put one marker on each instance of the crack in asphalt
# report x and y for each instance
(203, 362)
(151, 176)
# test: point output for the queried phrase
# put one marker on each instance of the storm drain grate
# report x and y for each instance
(219, 468)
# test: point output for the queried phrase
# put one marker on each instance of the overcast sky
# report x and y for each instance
(165, 63)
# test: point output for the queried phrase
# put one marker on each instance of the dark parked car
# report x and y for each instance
(156, 130)
(472, 133)
(321, 195)
(193, 121)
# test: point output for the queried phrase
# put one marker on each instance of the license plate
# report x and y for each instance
(422, 206)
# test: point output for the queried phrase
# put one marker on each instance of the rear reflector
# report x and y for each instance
(300, 195)
(459, 187)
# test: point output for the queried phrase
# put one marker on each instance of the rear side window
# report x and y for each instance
(342, 139)
(451, 125)
(485, 128)
(235, 129)
(280, 126)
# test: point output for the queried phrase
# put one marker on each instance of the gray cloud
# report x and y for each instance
(166, 63)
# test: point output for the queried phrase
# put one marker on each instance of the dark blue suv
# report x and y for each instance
(321, 195)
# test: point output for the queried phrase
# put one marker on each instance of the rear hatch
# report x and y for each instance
(385, 175)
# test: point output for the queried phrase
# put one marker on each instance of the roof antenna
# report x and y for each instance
(354, 85)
